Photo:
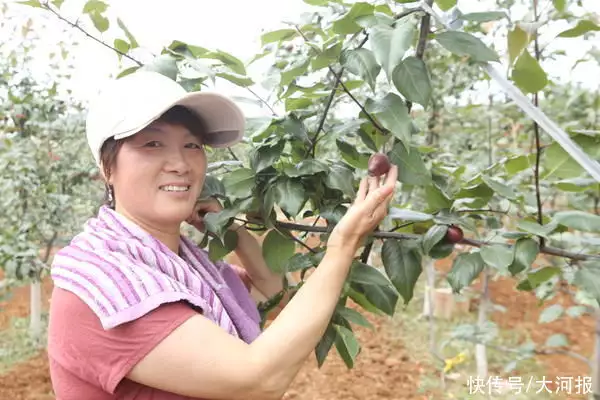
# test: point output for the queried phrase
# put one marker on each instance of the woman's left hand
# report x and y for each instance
(200, 209)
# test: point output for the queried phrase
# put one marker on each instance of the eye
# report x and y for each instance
(153, 143)
(194, 146)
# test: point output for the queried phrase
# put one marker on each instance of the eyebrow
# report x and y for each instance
(156, 129)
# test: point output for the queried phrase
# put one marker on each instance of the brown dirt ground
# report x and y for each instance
(521, 317)
(384, 370)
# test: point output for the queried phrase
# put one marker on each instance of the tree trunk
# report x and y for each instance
(480, 349)
(35, 311)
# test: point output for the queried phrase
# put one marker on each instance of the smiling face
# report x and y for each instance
(158, 175)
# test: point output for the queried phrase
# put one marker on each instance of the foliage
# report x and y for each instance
(46, 185)
(411, 85)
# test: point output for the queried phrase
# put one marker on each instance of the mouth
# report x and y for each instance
(175, 188)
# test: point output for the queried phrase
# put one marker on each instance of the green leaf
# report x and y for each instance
(578, 220)
(559, 5)
(351, 155)
(212, 187)
(411, 168)
(278, 36)
(361, 300)
(292, 104)
(392, 113)
(587, 277)
(132, 42)
(551, 313)
(366, 275)
(100, 22)
(445, 5)
(361, 62)
(411, 78)
(497, 256)
(305, 167)
(325, 344)
(327, 57)
(483, 16)
(127, 71)
(121, 45)
(353, 316)
(347, 24)
(94, 6)
(517, 164)
(499, 188)
(542, 275)
(277, 250)
(235, 64)
(289, 195)
(408, 215)
(340, 178)
(465, 269)
(296, 70)
(528, 75)
(242, 81)
(462, 43)
(164, 64)
(402, 265)
(384, 298)
(535, 228)
(433, 236)
(217, 249)
(265, 156)
(31, 3)
(557, 340)
(390, 44)
(517, 40)
(218, 222)
(582, 27)
(239, 183)
(347, 345)
(58, 3)
(296, 127)
(559, 163)
(525, 253)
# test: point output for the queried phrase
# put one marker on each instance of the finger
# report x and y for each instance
(362, 191)
(373, 183)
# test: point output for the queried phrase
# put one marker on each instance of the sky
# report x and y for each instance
(211, 24)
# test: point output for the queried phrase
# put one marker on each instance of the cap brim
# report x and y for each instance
(223, 121)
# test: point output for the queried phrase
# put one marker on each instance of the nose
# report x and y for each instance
(176, 161)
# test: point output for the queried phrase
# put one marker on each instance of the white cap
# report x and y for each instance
(133, 102)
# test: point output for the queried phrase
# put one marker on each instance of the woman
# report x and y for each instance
(138, 311)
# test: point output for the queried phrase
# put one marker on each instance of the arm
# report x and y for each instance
(249, 252)
(200, 360)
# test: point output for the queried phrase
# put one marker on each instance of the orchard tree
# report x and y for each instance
(46, 179)
(472, 172)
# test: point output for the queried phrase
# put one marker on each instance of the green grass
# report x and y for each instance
(409, 327)
(17, 345)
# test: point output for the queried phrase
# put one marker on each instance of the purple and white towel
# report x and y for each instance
(122, 272)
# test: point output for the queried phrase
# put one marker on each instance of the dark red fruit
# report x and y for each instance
(379, 164)
(454, 234)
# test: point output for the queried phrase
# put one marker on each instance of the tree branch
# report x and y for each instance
(78, 27)
(553, 251)
(536, 130)
(262, 101)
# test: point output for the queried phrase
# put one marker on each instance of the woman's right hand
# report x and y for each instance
(370, 207)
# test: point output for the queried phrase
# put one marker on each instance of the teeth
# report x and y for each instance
(170, 188)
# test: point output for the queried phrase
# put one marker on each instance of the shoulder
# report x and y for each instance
(79, 344)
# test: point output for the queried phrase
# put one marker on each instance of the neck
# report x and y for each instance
(169, 236)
